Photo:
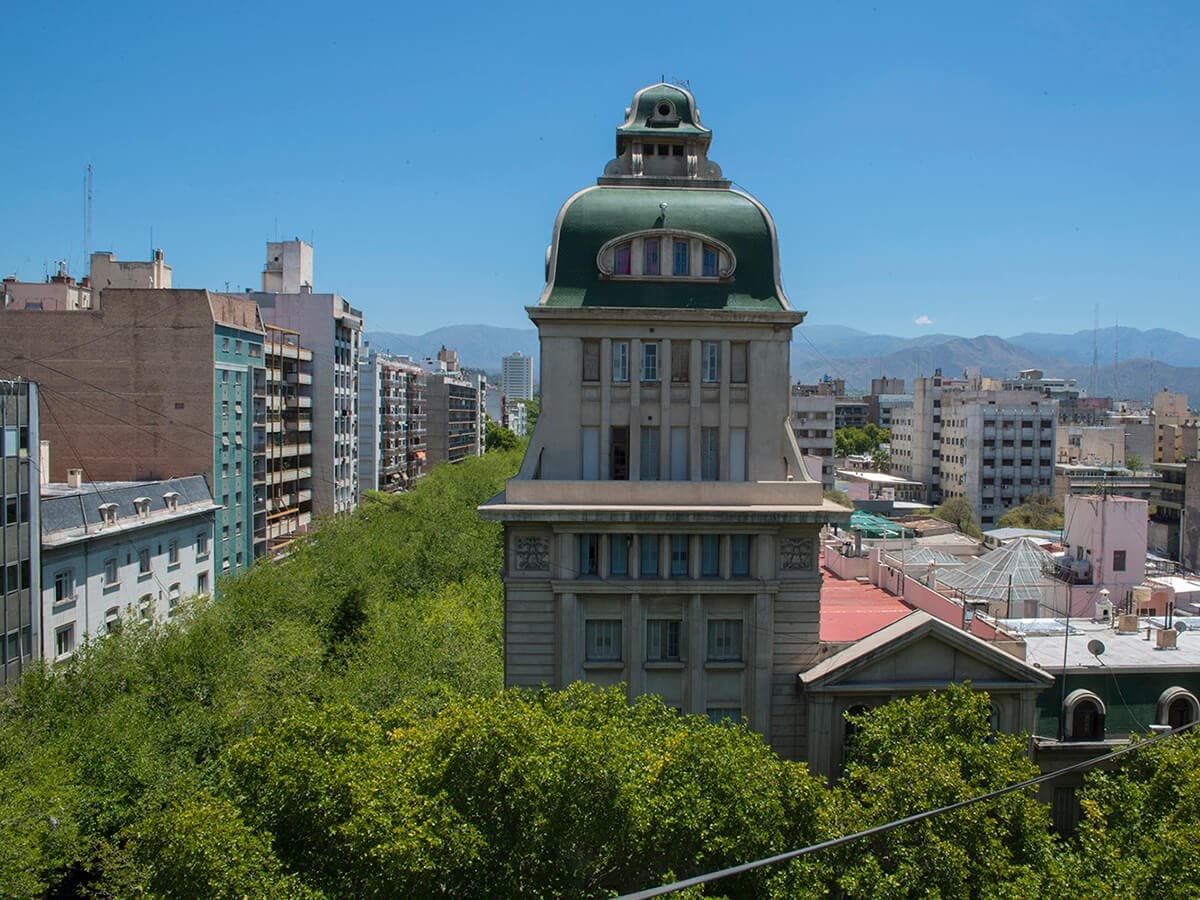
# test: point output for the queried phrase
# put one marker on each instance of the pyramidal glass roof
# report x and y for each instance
(1016, 566)
(926, 555)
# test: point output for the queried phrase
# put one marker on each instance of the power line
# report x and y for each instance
(907, 820)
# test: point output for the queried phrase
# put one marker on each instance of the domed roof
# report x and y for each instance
(597, 215)
(663, 108)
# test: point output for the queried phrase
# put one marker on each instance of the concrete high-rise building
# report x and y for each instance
(392, 422)
(812, 417)
(286, 467)
(516, 378)
(917, 433)
(329, 327)
(147, 384)
(20, 528)
(662, 531)
(996, 449)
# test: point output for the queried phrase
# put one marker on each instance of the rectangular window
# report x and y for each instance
(1118, 560)
(12, 442)
(202, 583)
(603, 639)
(737, 454)
(710, 456)
(710, 555)
(620, 361)
(591, 454)
(651, 266)
(740, 551)
(737, 363)
(589, 554)
(618, 555)
(724, 639)
(710, 362)
(648, 548)
(681, 355)
(225, 344)
(679, 454)
(650, 361)
(64, 640)
(710, 262)
(679, 555)
(173, 553)
(237, 346)
(64, 586)
(649, 454)
(662, 640)
(591, 360)
(144, 561)
(202, 544)
(621, 260)
(682, 251)
(618, 454)
(110, 571)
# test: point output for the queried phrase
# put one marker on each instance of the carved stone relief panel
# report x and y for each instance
(531, 553)
(797, 554)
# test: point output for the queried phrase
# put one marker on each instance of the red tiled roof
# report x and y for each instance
(850, 611)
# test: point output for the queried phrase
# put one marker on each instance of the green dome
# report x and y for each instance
(663, 108)
(597, 215)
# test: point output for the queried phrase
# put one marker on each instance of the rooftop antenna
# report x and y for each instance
(87, 216)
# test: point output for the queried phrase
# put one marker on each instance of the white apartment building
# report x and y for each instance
(997, 449)
(115, 550)
(812, 417)
(516, 378)
(332, 329)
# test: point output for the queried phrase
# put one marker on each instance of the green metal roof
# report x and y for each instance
(643, 116)
(599, 214)
(876, 526)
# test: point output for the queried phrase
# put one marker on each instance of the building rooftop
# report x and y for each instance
(1046, 639)
(851, 610)
(70, 513)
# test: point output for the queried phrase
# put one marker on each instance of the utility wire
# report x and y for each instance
(907, 820)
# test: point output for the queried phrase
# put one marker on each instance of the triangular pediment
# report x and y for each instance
(920, 649)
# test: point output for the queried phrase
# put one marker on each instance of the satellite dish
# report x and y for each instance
(1181, 627)
(1095, 647)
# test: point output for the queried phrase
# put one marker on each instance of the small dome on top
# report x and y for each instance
(663, 107)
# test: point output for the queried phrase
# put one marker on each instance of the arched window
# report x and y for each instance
(666, 254)
(1177, 707)
(1083, 715)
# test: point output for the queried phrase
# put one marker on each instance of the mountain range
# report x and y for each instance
(1146, 361)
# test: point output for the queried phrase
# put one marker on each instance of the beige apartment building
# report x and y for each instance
(662, 530)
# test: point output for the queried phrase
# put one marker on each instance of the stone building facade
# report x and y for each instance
(662, 531)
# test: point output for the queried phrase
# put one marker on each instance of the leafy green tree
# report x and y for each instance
(1133, 462)
(1039, 511)
(1136, 835)
(922, 753)
(959, 512)
(854, 441)
(497, 437)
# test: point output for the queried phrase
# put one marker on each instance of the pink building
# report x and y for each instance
(1104, 544)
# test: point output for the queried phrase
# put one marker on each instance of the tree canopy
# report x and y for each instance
(959, 512)
(1040, 511)
(855, 441)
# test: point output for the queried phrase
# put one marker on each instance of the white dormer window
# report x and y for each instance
(666, 254)
(108, 513)
(171, 500)
(142, 505)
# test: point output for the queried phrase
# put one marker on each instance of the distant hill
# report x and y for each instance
(1150, 360)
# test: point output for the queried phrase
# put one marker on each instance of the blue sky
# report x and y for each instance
(980, 168)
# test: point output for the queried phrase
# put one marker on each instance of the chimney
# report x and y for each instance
(75, 478)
